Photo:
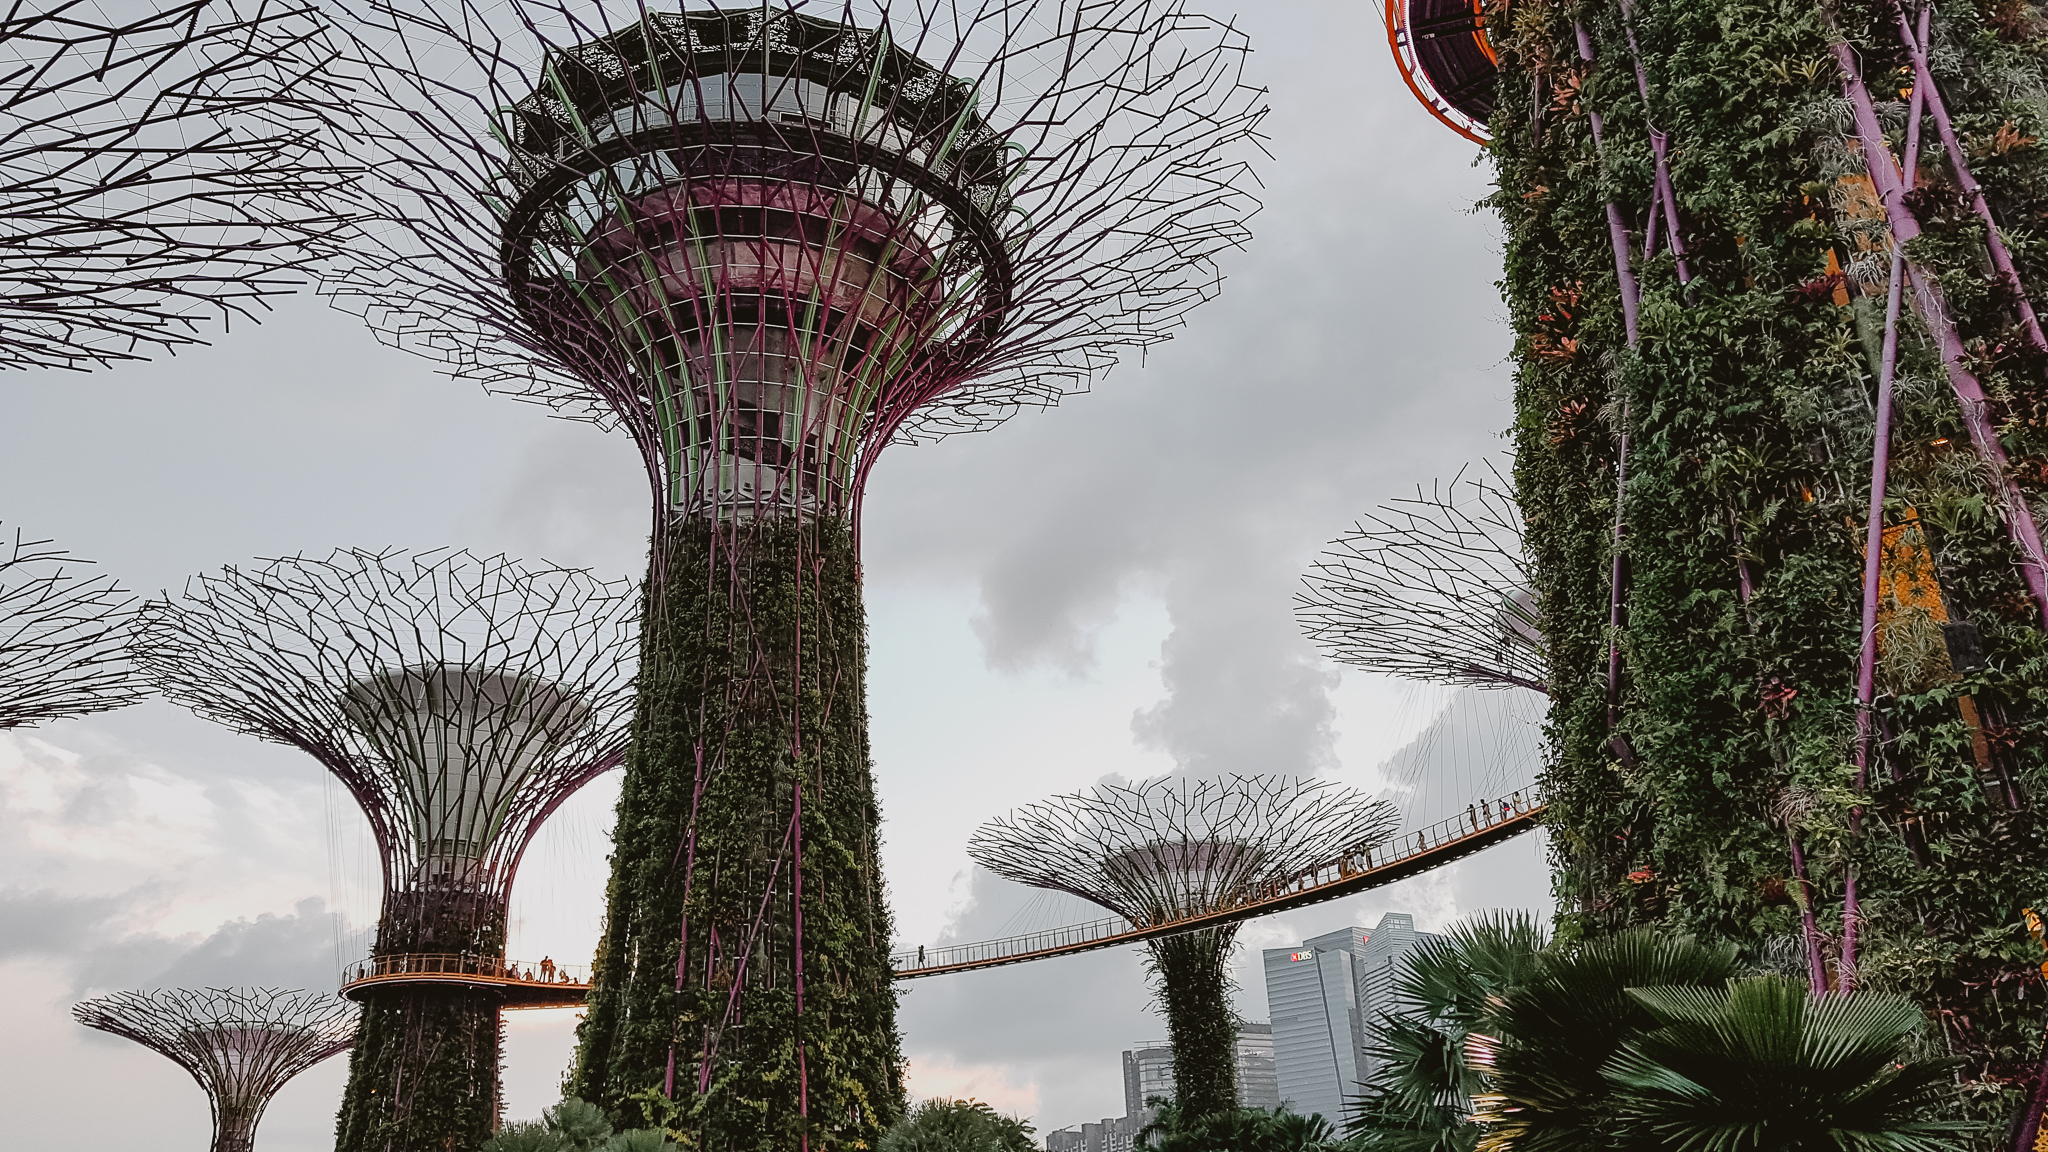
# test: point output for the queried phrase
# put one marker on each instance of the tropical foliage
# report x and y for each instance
(1419, 1096)
(1640, 1040)
(1757, 1064)
(574, 1126)
(957, 1126)
(1238, 1130)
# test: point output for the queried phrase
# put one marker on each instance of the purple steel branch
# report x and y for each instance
(1873, 538)
(2001, 260)
(1625, 277)
(1816, 966)
(1660, 149)
(1929, 302)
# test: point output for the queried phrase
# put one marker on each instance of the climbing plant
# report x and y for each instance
(1714, 786)
(752, 699)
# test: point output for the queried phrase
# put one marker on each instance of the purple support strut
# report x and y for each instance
(2001, 260)
(1625, 277)
(1873, 545)
(1928, 301)
(1660, 149)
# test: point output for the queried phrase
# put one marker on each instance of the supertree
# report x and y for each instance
(460, 700)
(154, 172)
(1167, 849)
(63, 638)
(766, 244)
(1432, 587)
(1782, 444)
(241, 1044)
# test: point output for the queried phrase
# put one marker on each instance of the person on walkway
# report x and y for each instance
(547, 968)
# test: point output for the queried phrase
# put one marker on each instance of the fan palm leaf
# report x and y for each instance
(1420, 1092)
(1758, 1064)
(1547, 1041)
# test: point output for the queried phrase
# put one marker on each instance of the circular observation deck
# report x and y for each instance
(769, 238)
(518, 983)
(1444, 55)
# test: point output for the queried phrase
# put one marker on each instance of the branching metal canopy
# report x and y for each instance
(154, 173)
(769, 242)
(461, 699)
(241, 1044)
(1172, 848)
(1432, 587)
(63, 638)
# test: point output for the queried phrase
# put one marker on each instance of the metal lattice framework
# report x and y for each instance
(241, 1044)
(154, 173)
(1168, 850)
(767, 243)
(1432, 587)
(1171, 848)
(63, 638)
(460, 699)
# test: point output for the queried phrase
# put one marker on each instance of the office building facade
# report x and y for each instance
(1258, 1084)
(1325, 998)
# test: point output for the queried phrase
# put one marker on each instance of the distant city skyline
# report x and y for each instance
(1148, 1075)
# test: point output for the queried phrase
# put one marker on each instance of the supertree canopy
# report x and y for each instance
(460, 700)
(241, 1044)
(1169, 849)
(154, 172)
(1782, 447)
(63, 638)
(766, 243)
(1432, 587)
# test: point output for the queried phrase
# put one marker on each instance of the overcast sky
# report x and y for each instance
(1101, 590)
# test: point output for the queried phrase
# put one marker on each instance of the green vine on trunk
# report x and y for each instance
(753, 674)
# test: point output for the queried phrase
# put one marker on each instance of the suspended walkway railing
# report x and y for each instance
(519, 983)
(526, 984)
(1410, 854)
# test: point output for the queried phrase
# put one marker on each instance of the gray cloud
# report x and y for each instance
(292, 951)
(90, 938)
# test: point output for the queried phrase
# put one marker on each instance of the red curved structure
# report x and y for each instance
(1446, 59)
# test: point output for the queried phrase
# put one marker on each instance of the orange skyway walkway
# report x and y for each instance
(519, 982)
(1409, 854)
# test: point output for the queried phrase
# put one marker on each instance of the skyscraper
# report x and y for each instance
(1376, 967)
(1325, 998)
(1148, 1072)
(1257, 1084)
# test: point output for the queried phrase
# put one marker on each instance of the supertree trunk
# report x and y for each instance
(424, 1074)
(1827, 258)
(234, 1129)
(1192, 973)
(753, 699)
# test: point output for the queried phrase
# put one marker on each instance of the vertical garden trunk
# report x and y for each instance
(1748, 403)
(424, 1073)
(704, 1017)
(423, 1076)
(1191, 972)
